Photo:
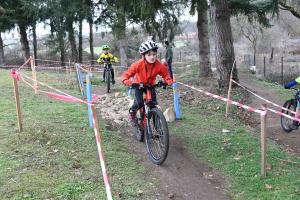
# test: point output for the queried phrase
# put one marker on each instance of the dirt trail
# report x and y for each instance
(188, 179)
(180, 175)
(288, 141)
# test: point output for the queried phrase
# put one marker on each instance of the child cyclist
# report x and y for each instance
(107, 57)
(294, 126)
(145, 70)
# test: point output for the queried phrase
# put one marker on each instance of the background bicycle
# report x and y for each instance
(108, 72)
(290, 108)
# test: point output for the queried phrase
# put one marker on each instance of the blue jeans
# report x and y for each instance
(170, 69)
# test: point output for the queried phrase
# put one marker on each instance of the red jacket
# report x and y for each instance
(146, 73)
(165, 64)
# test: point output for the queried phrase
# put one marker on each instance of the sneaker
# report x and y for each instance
(132, 118)
(103, 80)
(113, 81)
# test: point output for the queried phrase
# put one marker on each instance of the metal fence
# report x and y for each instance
(280, 68)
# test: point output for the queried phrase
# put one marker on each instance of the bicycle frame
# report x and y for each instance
(147, 99)
(147, 104)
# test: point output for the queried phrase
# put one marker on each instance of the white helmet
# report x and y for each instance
(147, 46)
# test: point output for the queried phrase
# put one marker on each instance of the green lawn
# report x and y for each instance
(56, 157)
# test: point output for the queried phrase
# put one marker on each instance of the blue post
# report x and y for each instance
(80, 81)
(89, 98)
(176, 100)
(130, 90)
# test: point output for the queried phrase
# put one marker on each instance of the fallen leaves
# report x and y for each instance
(53, 152)
(268, 186)
(269, 166)
(140, 192)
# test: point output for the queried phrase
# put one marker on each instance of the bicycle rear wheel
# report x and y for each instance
(287, 122)
(139, 129)
(107, 80)
(157, 136)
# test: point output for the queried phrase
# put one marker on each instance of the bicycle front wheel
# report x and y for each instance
(157, 136)
(139, 129)
(107, 75)
(285, 121)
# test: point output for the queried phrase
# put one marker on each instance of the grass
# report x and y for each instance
(277, 88)
(56, 156)
(238, 153)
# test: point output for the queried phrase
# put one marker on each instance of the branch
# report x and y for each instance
(2, 10)
(289, 8)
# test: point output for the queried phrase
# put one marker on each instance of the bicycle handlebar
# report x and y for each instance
(294, 88)
(107, 62)
(148, 86)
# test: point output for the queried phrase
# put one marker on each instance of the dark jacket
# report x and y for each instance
(169, 54)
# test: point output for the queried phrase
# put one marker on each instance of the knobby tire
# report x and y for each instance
(139, 130)
(287, 122)
(157, 136)
(107, 75)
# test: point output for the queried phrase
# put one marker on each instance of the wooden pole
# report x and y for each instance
(229, 90)
(17, 100)
(228, 95)
(263, 140)
(33, 73)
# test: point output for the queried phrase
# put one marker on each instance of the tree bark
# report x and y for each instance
(91, 42)
(204, 47)
(24, 42)
(224, 51)
(34, 43)
(61, 46)
(122, 35)
(2, 58)
(80, 40)
(72, 41)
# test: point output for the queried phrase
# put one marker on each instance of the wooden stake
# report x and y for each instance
(17, 100)
(229, 90)
(263, 140)
(33, 73)
(228, 95)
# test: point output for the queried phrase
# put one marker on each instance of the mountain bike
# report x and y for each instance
(290, 109)
(107, 70)
(152, 125)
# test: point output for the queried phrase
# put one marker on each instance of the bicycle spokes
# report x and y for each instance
(156, 137)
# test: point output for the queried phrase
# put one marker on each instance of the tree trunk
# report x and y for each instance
(204, 47)
(224, 51)
(61, 46)
(123, 56)
(2, 58)
(72, 41)
(24, 42)
(80, 41)
(91, 41)
(121, 34)
(34, 43)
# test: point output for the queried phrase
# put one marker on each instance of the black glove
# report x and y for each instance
(286, 87)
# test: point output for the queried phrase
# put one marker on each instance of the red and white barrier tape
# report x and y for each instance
(101, 156)
(226, 100)
(64, 97)
(283, 114)
(272, 103)
(24, 64)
